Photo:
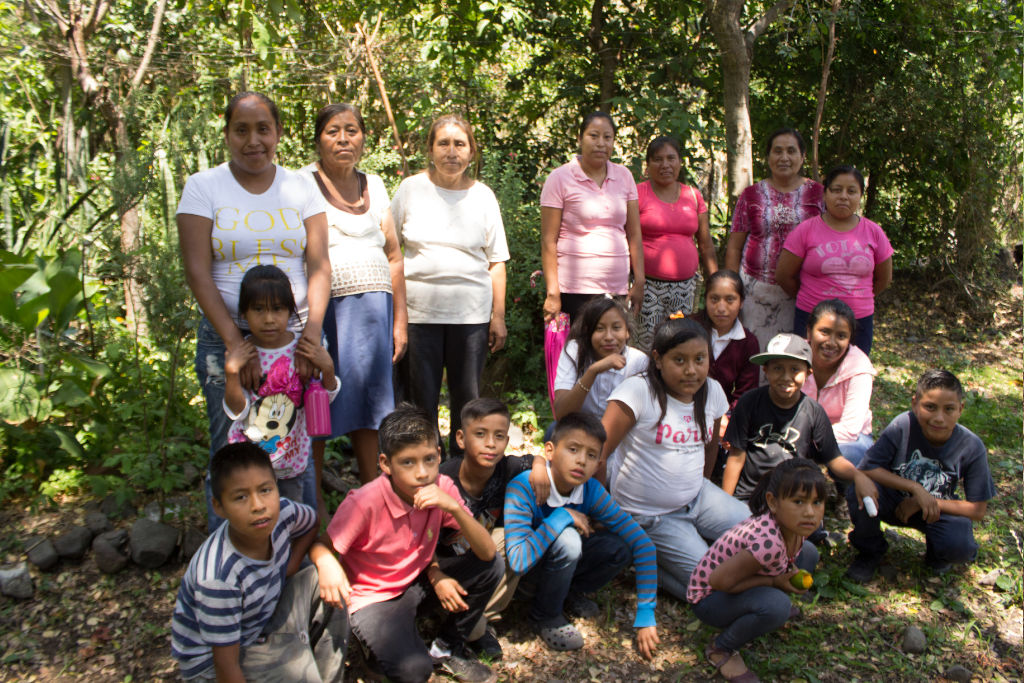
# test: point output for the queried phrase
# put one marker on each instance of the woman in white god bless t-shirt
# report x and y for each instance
(246, 212)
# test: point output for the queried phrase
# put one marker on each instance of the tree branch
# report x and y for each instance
(759, 25)
(154, 35)
(96, 14)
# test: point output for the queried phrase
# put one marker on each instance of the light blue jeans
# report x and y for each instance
(681, 537)
(854, 451)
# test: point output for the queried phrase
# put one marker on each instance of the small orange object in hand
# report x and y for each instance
(802, 580)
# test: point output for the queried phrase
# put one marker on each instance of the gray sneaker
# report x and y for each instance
(562, 638)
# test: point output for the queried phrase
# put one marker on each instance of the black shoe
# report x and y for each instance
(486, 646)
(818, 536)
(863, 567)
(467, 670)
(579, 605)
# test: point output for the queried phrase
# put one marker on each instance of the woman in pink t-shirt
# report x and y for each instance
(838, 255)
(671, 215)
(590, 225)
(766, 212)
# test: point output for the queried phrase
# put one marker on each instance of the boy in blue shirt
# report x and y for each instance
(559, 542)
(917, 463)
(244, 610)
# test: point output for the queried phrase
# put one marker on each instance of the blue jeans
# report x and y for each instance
(574, 563)
(854, 451)
(681, 536)
(863, 338)
(752, 613)
(950, 540)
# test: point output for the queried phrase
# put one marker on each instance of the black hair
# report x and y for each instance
(669, 334)
(593, 116)
(655, 145)
(265, 284)
(844, 170)
(234, 101)
(233, 457)
(329, 111)
(939, 379)
(584, 422)
(726, 274)
(464, 125)
(838, 308)
(406, 426)
(483, 407)
(785, 131)
(787, 479)
(586, 322)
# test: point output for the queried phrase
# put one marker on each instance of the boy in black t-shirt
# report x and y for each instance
(777, 422)
(917, 463)
(481, 476)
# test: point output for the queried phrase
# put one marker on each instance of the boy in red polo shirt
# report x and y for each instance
(386, 532)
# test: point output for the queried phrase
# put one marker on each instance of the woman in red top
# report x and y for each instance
(671, 215)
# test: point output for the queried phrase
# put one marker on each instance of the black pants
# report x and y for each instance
(459, 349)
(389, 630)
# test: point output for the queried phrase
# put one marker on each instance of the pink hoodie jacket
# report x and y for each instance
(846, 397)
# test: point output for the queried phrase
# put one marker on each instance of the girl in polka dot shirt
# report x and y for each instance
(741, 584)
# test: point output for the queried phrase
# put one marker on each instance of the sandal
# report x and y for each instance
(712, 651)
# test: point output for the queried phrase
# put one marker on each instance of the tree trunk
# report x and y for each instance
(607, 59)
(823, 90)
(736, 46)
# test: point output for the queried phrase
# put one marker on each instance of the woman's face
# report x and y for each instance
(610, 334)
(451, 151)
(829, 340)
(663, 168)
(785, 158)
(340, 145)
(597, 141)
(252, 135)
(842, 196)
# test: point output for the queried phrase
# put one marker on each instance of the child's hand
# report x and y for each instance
(722, 427)
(450, 592)
(315, 354)
(928, 505)
(539, 480)
(865, 488)
(782, 582)
(581, 522)
(432, 496)
(334, 586)
(613, 361)
(237, 358)
(647, 641)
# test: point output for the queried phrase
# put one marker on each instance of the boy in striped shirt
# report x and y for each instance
(558, 544)
(244, 610)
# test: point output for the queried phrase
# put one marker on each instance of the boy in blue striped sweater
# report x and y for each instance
(559, 544)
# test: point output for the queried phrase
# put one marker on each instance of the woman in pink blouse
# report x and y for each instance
(590, 226)
(765, 214)
(671, 216)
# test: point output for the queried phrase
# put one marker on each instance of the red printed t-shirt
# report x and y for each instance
(668, 230)
(383, 541)
(838, 265)
(593, 254)
(758, 535)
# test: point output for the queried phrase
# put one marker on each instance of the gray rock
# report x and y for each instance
(111, 508)
(97, 522)
(914, 641)
(16, 582)
(152, 543)
(152, 511)
(72, 544)
(190, 542)
(41, 553)
(959, 673)
(990, 578)
(191, 474)
(109, 551)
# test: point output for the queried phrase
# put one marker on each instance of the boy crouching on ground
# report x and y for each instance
(481, 475)
(557, 540)
(245, 611)
(386, 533)
(917, 463)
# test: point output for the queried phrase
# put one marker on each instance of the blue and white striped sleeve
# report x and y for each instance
(524, 545)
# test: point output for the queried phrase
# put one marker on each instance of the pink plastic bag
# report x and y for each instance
(318, 411)
(555, 334)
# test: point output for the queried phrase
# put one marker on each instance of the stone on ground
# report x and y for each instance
(72, 544)
(152, 543)
(914, 641)
(960, 674)
(191, 541)
(111, 508)
(16, 582)
(41, 553)
(97, 522)
(110, 552)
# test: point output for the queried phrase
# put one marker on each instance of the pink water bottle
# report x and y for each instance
(317, 403)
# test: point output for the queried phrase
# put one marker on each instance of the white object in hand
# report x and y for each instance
(870, 507)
